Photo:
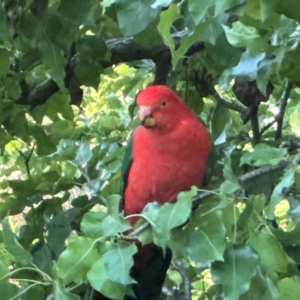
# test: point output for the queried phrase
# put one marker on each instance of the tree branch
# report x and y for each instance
(227, 104)
(254, 125)
(242, 180)
(279, 117)
(282, 106)
(122, 50)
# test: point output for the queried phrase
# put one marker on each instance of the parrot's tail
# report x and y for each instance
(149, 270)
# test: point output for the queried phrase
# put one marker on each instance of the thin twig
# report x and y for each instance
(267, 126)
(185, 279)
(282, 106)
(27, 159)
(279, 117)
(167, 292)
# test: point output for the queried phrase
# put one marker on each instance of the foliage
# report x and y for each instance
(235, 63)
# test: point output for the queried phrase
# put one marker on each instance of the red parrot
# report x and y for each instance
(169, 153)
(169, 150)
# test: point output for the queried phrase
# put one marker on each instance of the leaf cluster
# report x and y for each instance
(69, 74)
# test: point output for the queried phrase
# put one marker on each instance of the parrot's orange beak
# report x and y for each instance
(146, 117)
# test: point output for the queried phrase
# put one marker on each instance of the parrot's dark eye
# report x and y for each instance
(163, 103)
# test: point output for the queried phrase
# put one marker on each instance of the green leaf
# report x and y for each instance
(290, 8)
(12, 245)
(44, 145)
(246, 68)
(84, 153)
(59, 103)
(207, 242)
(113, 225)
(231, 183)
(263, 154)
(270, 250)
(8, 291)
(3, 270)
(59, 291)
(90, 224)
(219, 120)
(99, 280)
(59, 228)
(118, 262)
(166, 19)
(213, 29)
(113, 204)
(172, 215)
(199, 8)
(161, 3)
(5, 63)
(241, 35)
(88, 73)
(262, 287)
(36, 292)
(186, 42)
(234, 274)
(289, 289)
(91, 47)
(295, 118)
(286, 181)
(261, 10)
(62, 129)
(134, 15)
(75, 10)
(54, 61)
(74, 263)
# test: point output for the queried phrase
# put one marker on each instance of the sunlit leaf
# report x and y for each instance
(286, 181)
(288, 289)
(264, 154)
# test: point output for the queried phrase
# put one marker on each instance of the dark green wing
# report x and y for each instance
(126, 164)
(211, 162)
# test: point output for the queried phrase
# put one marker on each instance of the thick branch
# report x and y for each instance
(126, 50)
(40, 94)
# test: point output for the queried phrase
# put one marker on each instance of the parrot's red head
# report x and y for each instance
(159, 108)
